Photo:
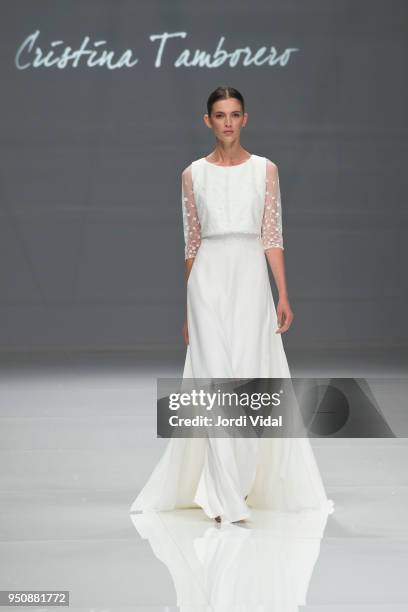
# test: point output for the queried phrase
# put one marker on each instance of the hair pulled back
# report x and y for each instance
(223, 93)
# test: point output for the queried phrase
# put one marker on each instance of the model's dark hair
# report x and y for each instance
(223, 93)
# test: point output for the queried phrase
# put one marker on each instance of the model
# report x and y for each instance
(232, 217)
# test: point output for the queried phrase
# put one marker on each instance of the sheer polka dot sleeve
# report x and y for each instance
(271, 233)
(191, 222)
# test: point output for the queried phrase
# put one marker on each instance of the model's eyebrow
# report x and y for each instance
(222, 112)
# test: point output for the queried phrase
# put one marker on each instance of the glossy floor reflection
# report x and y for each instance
(265, 563)
(77, 441)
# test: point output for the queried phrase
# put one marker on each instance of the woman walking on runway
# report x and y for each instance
(232, 219)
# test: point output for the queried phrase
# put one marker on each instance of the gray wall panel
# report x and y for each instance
(90, 210)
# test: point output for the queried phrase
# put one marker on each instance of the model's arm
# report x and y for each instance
(272, 241)
(188, 266)
(192, 230)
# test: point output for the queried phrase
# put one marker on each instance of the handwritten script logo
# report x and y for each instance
(95, 54)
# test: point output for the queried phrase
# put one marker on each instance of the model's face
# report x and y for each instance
(226, 119)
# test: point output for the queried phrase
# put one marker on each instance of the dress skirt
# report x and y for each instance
(232, 326)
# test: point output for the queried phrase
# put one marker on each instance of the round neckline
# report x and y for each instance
(233, 166)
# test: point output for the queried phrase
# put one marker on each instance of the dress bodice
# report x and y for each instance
(244, 198)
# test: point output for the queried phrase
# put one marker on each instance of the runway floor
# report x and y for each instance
(77, 442)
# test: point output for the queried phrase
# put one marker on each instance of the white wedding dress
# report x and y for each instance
(231, 216)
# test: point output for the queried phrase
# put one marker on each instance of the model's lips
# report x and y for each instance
(228, 131)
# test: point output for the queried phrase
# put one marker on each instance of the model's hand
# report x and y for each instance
(185, 332)
(285, 315)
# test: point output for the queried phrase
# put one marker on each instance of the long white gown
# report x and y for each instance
(231, 216)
